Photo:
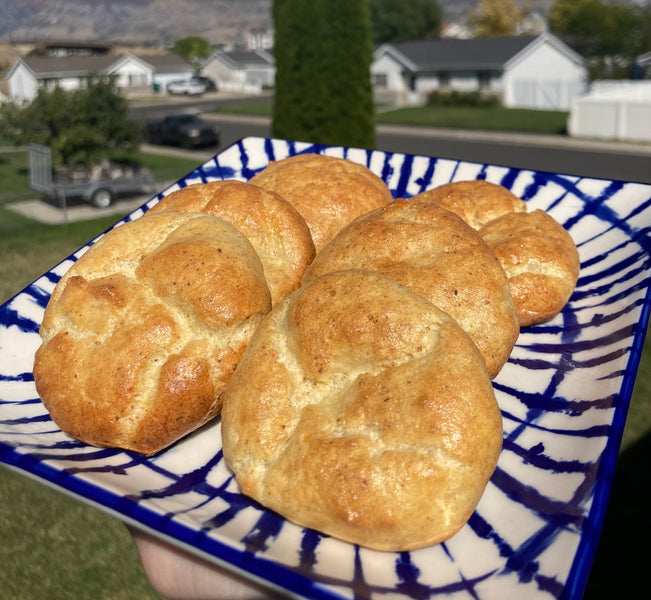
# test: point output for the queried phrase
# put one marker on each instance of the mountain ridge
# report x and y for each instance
(158, 22)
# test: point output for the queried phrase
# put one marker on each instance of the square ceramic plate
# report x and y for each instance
(563, 394)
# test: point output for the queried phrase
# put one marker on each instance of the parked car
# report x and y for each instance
(185, 130)
(208, 83)
(187, 87)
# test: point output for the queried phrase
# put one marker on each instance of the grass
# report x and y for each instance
(496, 119)
(54, 547)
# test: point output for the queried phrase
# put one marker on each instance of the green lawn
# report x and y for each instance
(496, 119)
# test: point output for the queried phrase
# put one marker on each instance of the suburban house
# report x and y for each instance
(538, 72)
(134, 74)
(241, 70)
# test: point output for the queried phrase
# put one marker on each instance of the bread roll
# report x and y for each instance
(328, 192)
(435, 254)
(540, 259)
(142, 333)
(275, 228)
(477, 201)
(363, 411)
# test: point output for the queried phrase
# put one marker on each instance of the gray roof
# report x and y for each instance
(242, 58)
(57, 66)
(168, 61)
(449, 54)
(82, 65)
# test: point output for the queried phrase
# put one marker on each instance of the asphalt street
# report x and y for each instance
(556, 154)
(550, 153)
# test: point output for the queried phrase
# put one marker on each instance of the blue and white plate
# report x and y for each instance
(564, 396)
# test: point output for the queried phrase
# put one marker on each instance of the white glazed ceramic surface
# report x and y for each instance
(563, 394)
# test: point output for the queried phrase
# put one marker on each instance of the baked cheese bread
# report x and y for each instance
(363, 411)
(540, 259)
(327, 191)
(434, 253)
(476, 201)
(143, 332)
(274, 227)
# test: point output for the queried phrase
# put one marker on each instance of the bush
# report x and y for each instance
(469, 99)
(80, 126)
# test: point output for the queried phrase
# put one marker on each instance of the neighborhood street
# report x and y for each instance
(553, 153)
(557, 154)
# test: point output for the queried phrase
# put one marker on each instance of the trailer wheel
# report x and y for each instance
(101, 198)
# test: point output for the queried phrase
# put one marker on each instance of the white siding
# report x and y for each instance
(132, 73)
(22, 84)
(544, 78)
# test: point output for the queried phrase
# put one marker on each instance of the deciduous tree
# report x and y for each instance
(609, 34)
(194, 49)
(80, 126)
(494, 18)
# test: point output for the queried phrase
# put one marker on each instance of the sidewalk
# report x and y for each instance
(499, 137)
(43, 212)
(525, 139)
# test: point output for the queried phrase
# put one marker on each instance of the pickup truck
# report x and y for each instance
(185, 130)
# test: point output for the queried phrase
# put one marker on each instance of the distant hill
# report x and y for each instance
(131, 21)
(157, 22)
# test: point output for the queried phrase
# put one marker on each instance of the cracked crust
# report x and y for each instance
(363, 411)
(142, 333)
(327, 191)
(274, 227)
(435, 254)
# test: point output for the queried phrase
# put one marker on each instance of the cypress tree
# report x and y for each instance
(323, 88)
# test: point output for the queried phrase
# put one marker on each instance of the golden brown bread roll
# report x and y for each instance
(142, 333)
(540, 259)
(434, 253)
(363, 411)
(328, 192)
(477, 201)
(275, 228)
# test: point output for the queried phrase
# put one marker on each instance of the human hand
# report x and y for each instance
(178, 575)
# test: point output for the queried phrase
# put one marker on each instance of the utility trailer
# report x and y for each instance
(98, 184)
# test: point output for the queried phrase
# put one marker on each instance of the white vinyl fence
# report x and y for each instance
(616, 110)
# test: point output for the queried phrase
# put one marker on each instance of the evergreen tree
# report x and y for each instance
(393, 21)
(323, 88)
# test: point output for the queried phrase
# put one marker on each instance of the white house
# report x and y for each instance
(524, 71)
(30, 73)
(241, 70)
(167, 68)
(133, 74)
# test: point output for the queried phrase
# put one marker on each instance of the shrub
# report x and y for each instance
(468, 99)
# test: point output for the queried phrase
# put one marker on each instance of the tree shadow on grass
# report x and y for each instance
(621, 565)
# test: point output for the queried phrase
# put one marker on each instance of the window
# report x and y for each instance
(380, 80)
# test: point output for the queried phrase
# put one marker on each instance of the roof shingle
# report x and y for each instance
(448, 54)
